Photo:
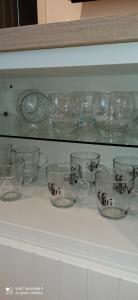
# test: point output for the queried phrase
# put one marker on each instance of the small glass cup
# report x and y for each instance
(128, 164)
(113, 193)
(62, 185)
(31, 156)
(11, 179)
(87, 163)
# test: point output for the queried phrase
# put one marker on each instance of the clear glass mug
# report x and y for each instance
(11, 179)
(62, 185)
(87, 163)
(114, 193)
(128, 164)
(31, 156)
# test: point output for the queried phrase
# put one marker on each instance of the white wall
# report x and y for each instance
(64, 10)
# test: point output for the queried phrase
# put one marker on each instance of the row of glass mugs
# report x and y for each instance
(18, 166)
(116, 190)
(112, 113)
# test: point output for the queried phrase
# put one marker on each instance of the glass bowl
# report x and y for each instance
(113, 112)
(66, 111)
(32, 106)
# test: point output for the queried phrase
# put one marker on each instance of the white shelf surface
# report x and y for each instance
(79, 231)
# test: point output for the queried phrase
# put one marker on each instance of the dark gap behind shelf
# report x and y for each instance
(18, 13)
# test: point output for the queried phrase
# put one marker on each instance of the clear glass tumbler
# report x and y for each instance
(128, 164)
(11, 179)
(113, 194)
(62, 184)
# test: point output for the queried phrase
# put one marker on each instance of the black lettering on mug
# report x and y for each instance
(54, 191)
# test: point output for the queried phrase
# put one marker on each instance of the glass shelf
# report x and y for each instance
(10, 126)
(93, 68)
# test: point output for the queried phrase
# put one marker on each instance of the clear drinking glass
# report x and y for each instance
(88, 131)
(66, 111)
(113, 112)
(31, 156)
(11, 179)
(113, 194)
(87, 163)
(62, 184)
(128, 164)
(88, 107)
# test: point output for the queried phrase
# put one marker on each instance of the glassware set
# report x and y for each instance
(116, 189)
(75, 114)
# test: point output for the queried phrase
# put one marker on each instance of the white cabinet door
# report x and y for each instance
(72, 282)
(128, 290)
(21, 273)
(45, 276)
(102, 286)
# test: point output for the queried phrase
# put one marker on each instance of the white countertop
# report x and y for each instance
(79, 230)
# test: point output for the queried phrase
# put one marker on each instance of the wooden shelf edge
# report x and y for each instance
(104, 30)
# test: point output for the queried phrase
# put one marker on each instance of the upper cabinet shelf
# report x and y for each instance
(102, 30)
(108, 67)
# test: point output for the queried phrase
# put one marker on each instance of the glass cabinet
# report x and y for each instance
(83, 94)
(65, 100)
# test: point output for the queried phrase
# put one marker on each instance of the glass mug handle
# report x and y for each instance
(43, 161)
(27, 176)
(133, 206)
